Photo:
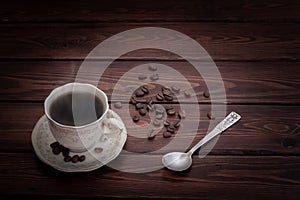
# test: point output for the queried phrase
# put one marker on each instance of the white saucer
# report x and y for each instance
(111, 143)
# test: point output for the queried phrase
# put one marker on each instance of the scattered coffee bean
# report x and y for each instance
(136, 118)
(145, 90)
(65, 151)
(67, 158)
(56, 150)
(154, 77)
(54, 144)
(151, 134)
(75, 159)
(139, 93)
(171, 129)
(166, 92)
(210, 116)
(175, 89)
(187, 94)
(150, 107)
(171, 112)
(142, 77)
(159, 116)
(168, 97)
(289, 143)
(139, 106)
(167, 134)
(181, 114)
(168, 107)
(152, 68)
(159, 110)
(118, 105)
(98, 149)
(159, 97)
(82, 158)
(149, 100)
(143, 111)
(166, 123)
(156, 122)
(133, 100)
(206, 94)
(177, 124)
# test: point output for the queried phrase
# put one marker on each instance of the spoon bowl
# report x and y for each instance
(177, 161)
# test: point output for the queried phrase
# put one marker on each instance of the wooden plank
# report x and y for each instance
(149, 11)
(245, 82)
(213, 177)
(263, 130)
(223, 41)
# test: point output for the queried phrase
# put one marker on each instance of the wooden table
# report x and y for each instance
(255, 45)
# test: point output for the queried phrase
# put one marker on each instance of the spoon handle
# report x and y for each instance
(231, 119)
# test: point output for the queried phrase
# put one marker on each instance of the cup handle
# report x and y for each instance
(114, 122)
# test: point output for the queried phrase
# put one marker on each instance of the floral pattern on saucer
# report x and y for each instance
(111, 144)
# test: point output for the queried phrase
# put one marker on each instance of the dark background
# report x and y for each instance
(254, 43)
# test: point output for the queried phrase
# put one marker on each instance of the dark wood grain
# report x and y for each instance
(245, 82)
(213, 177)
(149, 11)
(263, 130)
(223, 41)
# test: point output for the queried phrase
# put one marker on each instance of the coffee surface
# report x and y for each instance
(76, 109)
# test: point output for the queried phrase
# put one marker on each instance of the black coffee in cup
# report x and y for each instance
(76, 108)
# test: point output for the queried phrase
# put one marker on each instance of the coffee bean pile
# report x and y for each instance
(143, 106)
(58, 148)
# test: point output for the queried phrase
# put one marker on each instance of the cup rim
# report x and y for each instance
(70, 84)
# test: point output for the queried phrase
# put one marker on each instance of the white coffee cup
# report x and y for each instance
(76, 138)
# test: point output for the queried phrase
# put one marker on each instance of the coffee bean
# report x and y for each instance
(171, 112)
(54, 144)
(168, 97)
(152, 68)
(171, 129)
(82, 158)
(165, 88)
(159, 116)
(56, 150)
(136, 118)
(168, 107)
(150, 107)
(65, 151)
(181, 114)
(142, 77)
(149, 100)
(166, 92)
(289, 143)
(139, 106)
(210, 116)
(206, 94)
(159, 97)
(154, 77)
(175, 89)
(166, 123)
(145, 90)
(187, 94)
(159, 110)
(133, 100)
(177, 124)
(167, 134)
(75, 159)
(67, 158)
(118, 105)
(98, 149)
(139, 93)
(156, 122)
(143, 111)
(151, 134)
